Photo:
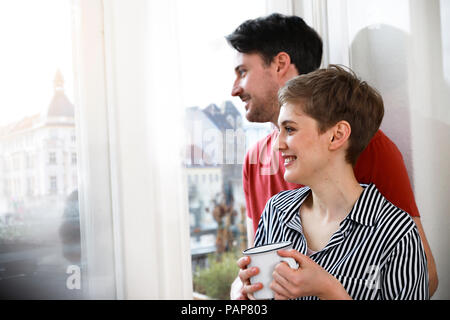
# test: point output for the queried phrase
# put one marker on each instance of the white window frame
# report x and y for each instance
(316, 15)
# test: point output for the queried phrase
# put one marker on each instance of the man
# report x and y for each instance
(270, 51)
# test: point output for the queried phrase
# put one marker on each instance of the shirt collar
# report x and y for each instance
(289, 214)
(364, 212)
(367, 207)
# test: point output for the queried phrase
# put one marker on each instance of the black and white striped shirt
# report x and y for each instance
(376, 253)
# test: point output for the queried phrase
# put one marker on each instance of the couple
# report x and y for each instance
(327, 138)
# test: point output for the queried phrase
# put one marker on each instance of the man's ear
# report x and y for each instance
(282, 63)
(339, 134)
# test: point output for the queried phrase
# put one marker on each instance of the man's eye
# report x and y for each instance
(242, 72)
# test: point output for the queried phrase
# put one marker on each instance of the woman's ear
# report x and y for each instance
(340, 133)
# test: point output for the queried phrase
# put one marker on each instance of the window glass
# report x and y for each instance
(217, 136)
(40, 254)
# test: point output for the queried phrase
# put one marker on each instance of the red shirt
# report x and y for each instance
(380, 163)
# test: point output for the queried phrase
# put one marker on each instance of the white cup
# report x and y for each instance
(266, 258)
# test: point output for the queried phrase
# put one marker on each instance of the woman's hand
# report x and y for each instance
(309, 279)
(245, 274)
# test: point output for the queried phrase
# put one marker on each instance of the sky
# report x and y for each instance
(35, 42)
(207, 61)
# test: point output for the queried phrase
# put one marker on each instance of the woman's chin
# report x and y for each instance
(291, 179)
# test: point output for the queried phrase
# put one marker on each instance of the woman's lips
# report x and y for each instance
(288, 160)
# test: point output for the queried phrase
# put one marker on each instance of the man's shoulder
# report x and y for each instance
(263, 141)
(254, 151)
(381, 142)
(382, 153)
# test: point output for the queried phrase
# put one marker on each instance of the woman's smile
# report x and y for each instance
(288, 160)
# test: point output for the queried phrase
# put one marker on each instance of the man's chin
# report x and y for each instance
(252, 117)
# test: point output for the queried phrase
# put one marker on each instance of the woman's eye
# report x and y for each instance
(288, 129)
(242, 72)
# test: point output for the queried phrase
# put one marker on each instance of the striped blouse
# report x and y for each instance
(376, 254)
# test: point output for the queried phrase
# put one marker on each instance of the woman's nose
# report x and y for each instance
(278, 144)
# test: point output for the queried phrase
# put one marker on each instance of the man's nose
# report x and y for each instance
(236, 90)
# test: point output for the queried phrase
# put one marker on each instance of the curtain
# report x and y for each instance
(136, 45)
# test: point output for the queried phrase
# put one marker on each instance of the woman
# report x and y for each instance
(349, 241)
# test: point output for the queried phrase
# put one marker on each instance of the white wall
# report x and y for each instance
(430, 132)
(397, 47)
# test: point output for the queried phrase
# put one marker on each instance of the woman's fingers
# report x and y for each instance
(278, 277)
(245, 274)
(251, 288)
(280, 293)
(243, 262)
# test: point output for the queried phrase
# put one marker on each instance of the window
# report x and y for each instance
(52, 158)
(30, 161)
(7, 186)
(213, 120)
(40, 253)
(30, 186)
(16, 162)
(53, 185)
(49, 222)
(116, 186)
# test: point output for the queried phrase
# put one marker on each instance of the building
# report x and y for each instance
(215, 149)
(38, 160)
(215, 140)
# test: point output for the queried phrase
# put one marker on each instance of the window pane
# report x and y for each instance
(217, 135)
(40, 256)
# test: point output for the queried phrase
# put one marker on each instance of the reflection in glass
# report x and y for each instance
(39, 221)
(39, 218)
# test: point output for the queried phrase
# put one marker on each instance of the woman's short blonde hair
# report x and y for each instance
(333, 94)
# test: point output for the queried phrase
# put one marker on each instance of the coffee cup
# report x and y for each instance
(265, 257)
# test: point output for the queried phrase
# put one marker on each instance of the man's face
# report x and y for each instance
(256, 84)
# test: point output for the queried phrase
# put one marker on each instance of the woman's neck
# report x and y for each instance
(334, 196)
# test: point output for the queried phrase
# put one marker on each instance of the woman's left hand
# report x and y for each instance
(309, 279)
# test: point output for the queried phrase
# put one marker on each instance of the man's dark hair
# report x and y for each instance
(270, 35)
